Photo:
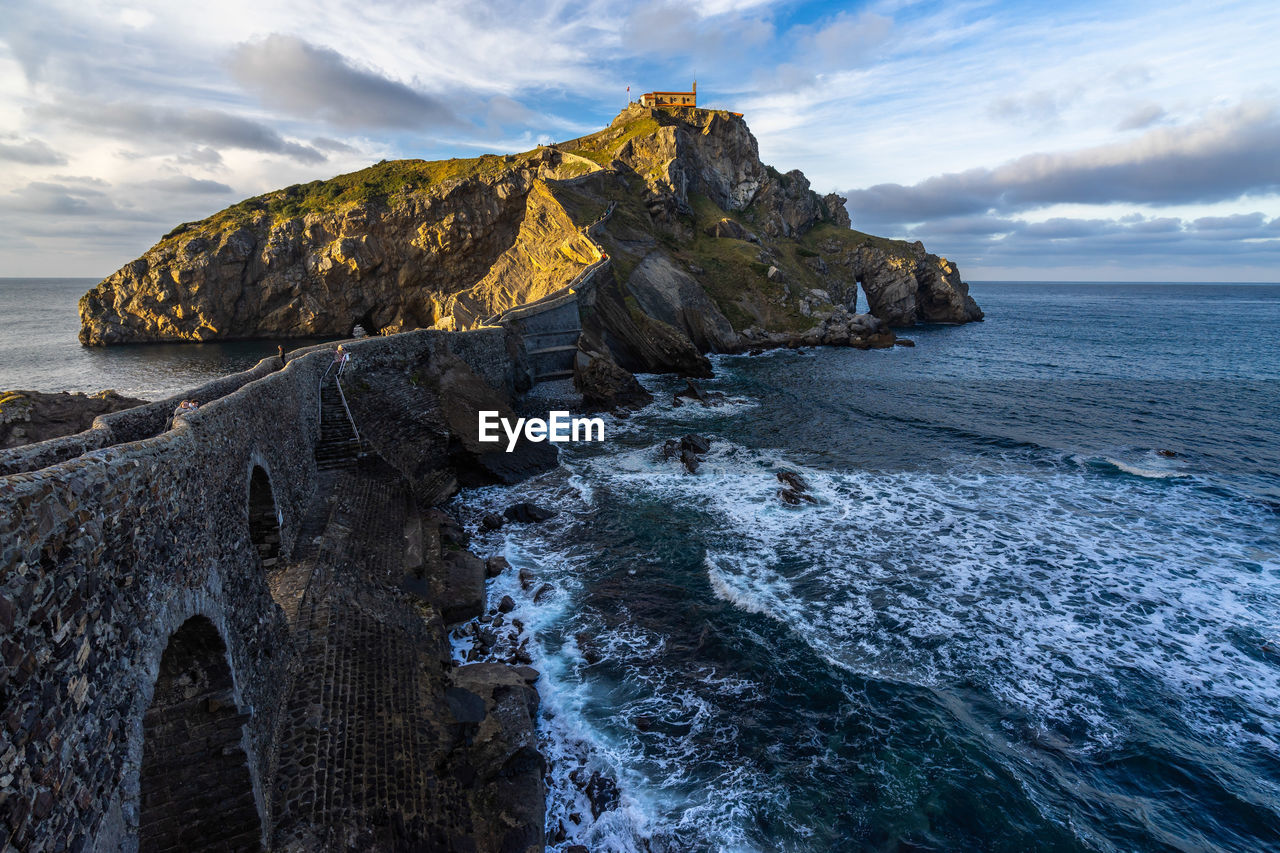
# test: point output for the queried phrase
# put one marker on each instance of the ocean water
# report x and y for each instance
(1011, 622)
(1035, 607)
(39, 350)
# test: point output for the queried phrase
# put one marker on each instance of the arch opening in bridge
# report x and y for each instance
(196, 788)
(264, 519)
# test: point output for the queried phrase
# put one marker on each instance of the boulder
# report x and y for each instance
(793, 480)
(495, 566)
(501, 768)
(461, 595)
(603, 794)
(604, 384)
(695, 444)
(528, 513)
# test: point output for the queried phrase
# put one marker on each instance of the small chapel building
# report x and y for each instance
(671, 99)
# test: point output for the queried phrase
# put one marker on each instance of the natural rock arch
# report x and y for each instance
(264, 519)
(195, 784)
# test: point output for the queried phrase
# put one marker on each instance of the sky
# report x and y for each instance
(1022, 140)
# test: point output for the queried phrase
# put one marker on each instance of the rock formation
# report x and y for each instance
(27, 417)
(708, 249)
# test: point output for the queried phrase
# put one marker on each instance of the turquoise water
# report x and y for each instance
(1036, 607)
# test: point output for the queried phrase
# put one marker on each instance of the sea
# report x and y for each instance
(1035, 605)
(39, 350)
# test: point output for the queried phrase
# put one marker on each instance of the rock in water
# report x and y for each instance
(603, 794)
(793, 480)
(605, 385)
(528, 513)
(695, 444)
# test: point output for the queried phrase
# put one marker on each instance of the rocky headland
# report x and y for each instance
(27, 417)
(707, 250)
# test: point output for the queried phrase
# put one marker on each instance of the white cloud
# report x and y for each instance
(254, 94)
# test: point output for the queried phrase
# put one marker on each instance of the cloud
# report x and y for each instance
(62, 199)
(199, 126)
(1035, 107)
(1235, 222)
(848, 39)
(1144, 116)
(335, 146)
(32, 152)
(289, 74)
(189, 186)
(1088, 244)
(728, 33)
(202, 155)
(1224, 156)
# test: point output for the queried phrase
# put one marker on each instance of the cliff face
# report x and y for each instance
(390, 247)
(709, 249)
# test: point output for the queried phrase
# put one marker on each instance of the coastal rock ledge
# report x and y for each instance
(691, 240)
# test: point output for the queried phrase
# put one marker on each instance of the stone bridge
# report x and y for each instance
(549, 328)
(205, 638)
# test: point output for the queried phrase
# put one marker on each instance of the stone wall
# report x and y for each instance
(105, 555)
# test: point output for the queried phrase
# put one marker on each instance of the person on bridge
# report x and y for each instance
(340, 358)
(184, 408)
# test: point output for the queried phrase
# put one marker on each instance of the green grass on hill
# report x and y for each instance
(853, 239)
(734, 276)
(379, 182)
(601, 147)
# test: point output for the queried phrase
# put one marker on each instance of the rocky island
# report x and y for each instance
(705, 248)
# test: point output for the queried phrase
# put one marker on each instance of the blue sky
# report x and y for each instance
(1022, 140)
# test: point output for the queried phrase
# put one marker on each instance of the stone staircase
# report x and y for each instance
(339, 446)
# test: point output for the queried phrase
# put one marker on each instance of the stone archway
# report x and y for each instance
(264, 521)
(195, 786)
